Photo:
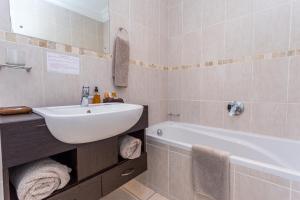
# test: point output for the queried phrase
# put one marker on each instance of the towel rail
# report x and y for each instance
(124, 30)
(11, 66)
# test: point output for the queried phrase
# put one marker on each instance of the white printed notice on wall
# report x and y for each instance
(63, 64)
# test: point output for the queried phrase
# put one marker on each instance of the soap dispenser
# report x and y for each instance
(97, 97)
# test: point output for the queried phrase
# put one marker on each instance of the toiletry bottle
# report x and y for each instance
(114, 95)
(97, 97)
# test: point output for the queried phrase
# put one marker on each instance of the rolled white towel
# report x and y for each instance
(130, 147)
(38, 180)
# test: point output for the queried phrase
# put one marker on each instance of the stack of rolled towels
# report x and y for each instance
(130, 147)
(38, 180)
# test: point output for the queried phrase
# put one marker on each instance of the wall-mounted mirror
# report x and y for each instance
(80, 23)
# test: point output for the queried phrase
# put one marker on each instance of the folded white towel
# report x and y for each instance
(38, 180)
(130, 147)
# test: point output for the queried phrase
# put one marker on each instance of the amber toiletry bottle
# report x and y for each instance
(97, 97)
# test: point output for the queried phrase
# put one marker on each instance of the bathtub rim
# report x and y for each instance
(281, 172)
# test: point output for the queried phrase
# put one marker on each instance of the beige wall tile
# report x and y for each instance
(120, 6)
(60, 89)
(190, 112)
(237, 82)
(213, 12)
(294, 82)
(190, 84)
(94, 72)
(213, 42)
(175, 51)
(212, 83)
(192, 15)
(295, 37)
(266, 4)
(139, 42)
(137, 11)
(154, 43)
(152, 15)
(293, 121)
(239, 37)
(270, 80)
(211, 113)
(295, 185)
(163, 20)
(4, 16)
(174, 107)
(295, 195)
(175, 21)
(163, 50)
(248, 188)
(19, 87)
(174, 84)
(237, 8)
(272, 29)
(268, 118)
(181, 176)
(172, 3)
(192, 48)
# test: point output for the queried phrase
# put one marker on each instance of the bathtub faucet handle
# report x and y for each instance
(235, 108)
(173, 115)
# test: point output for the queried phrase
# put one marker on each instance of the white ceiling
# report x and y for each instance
(95, 9)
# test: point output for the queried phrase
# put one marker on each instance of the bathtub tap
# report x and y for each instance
(235, 108)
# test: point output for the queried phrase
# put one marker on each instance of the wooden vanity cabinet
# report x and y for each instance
(97, 168)
(88, 190)
(95, 157)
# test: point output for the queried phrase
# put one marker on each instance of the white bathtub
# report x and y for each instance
(280, 157)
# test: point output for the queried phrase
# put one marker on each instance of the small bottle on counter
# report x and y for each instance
(114, 95)
(97, 97)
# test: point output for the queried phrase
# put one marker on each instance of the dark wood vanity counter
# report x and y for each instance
(97, 168)
(15, 119)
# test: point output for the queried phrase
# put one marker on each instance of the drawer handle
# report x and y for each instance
(41, 125)
(128, 172)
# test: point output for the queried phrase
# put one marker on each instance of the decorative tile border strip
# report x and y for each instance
(244, 59)
(65, 48)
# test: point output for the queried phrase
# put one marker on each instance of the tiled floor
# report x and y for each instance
(134, 191)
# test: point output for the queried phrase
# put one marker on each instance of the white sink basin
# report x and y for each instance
(76, 124)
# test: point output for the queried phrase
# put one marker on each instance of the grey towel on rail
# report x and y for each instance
(211, 172)
(121, 56)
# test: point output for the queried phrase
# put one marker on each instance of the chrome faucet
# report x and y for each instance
(235, 108)
(85, 96)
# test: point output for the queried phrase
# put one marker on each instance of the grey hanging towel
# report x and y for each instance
(211, 172)
(120, 63)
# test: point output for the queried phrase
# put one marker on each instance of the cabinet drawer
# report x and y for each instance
(26, 142)
(88, 190)
(69, 194)
(121, 174)
(97, 156)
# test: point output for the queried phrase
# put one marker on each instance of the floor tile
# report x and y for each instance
(158, 197)
(119, 194)
(138, 190)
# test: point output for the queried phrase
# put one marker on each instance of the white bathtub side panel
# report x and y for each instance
(245, 183)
